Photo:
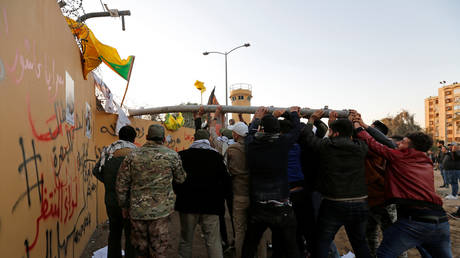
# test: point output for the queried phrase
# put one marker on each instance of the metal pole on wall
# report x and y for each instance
(227, 109)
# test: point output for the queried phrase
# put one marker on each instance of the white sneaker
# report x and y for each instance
(451, 197)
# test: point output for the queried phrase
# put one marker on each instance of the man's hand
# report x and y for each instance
(332, 117)
(125, 213)
(218, 112)
(278, 113)
(358, 120)
(240, 117)
(295, 109)
(351, 114)
(316, 115)
(260, 112)
(199, 113)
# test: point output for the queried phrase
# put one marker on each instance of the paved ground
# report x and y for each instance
(99, 238)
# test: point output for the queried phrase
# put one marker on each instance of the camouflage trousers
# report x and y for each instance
(379, 217)
(150, 237)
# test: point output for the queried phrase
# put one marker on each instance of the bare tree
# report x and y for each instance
(401, 124)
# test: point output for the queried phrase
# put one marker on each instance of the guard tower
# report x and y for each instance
(241, 95)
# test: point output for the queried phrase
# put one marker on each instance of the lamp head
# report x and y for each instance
(247, 45)
(205, 53)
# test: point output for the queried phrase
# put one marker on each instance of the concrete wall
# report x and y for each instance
(50, 202)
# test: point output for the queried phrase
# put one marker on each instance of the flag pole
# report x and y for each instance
(201, 98)
(129, 79)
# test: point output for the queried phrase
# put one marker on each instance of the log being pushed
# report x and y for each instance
(226, 109)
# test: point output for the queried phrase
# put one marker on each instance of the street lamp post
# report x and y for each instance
(226, 80)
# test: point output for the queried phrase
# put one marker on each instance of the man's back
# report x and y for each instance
(148, 173)
(206, 185)
(341, 165)
(237, 166)
(267, 158)
(109, 173)
(342, 168)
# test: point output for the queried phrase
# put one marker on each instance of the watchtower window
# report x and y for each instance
(233, 98)
(240, 97)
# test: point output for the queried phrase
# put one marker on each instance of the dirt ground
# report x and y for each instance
(99, 238)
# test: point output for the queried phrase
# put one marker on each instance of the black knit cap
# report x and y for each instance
(380, 126)
(201, 134)
(270, 124)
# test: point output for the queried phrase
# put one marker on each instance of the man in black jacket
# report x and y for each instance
(342, 184)
(267, 158)
(106, 171)
(200, 199)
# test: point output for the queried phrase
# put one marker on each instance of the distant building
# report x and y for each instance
(442, 114)
(241, 95)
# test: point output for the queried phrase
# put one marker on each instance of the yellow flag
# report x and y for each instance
(200, 86)
(94, 52)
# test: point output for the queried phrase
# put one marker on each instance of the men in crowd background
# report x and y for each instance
(451, 166)
(200, 198)
(442, 150)
(267, 159)
(409, 182)
(145, 194)
(342, 184)
(106, 170)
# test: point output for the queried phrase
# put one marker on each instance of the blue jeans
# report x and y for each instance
(333, 215)
(453, 177)
(406, 234)
(444, 177)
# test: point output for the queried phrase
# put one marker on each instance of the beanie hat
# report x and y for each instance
(270, 124)
(201, 134)
(241, 129)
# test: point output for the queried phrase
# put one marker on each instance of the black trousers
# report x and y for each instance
(300, 205)
(116, 226)
(282, 222)
(223, 225)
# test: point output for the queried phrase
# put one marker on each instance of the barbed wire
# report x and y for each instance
(72, 8)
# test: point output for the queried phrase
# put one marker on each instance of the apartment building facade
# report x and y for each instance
(442, 114)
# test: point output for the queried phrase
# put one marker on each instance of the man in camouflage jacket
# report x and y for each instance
(144, 189)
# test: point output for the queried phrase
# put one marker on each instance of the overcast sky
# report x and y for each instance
(378, 57)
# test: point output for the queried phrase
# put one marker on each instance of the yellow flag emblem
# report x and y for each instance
(200, 86)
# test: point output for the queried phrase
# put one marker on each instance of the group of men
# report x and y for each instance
(281, 174)
(448, 161)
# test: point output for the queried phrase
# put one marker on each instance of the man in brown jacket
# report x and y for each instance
(236, 163)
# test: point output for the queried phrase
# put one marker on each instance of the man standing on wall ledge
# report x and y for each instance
(144, 188)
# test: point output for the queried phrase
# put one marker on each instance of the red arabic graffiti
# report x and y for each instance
(48, 136)
(60, 203)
